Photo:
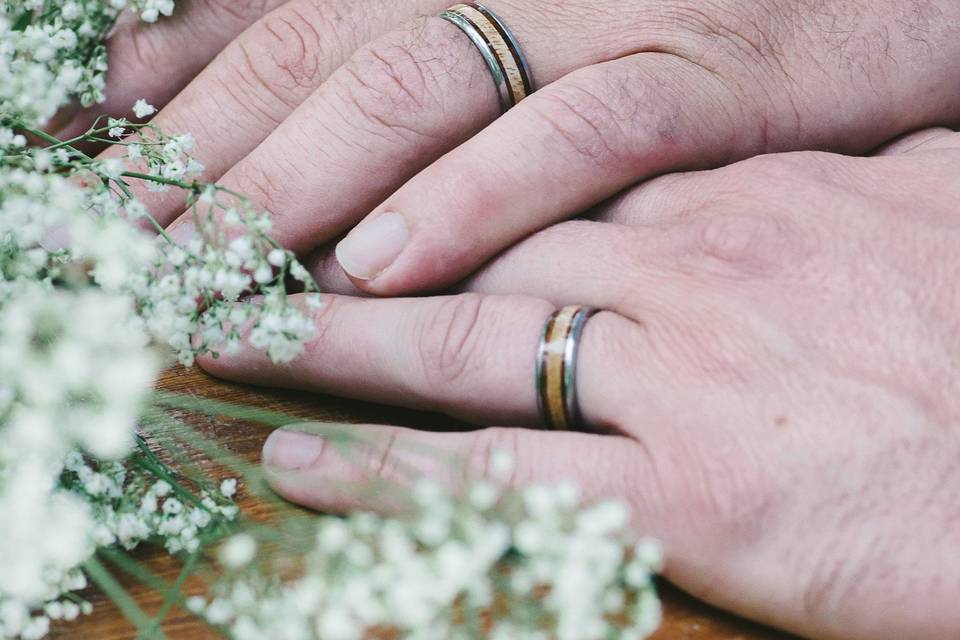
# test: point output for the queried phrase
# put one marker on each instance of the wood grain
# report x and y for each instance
(685, 618)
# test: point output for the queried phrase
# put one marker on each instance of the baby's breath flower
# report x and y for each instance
(229, 487)
(367, 573)
(58, 53)
(238, 551)
(143, 109)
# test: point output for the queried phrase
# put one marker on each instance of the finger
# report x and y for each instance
(468, 356)
(261, 78)
(565, 148)
(329, 276)
(373, 467)
(924, 140)
(155, 61)
(649, 271)
(675, 196)
(396, 106)
(589, 136)
(604, 264)
(664, 199)
(576, 262)
(785, 183)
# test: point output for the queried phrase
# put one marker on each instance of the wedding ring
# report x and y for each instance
(500, 50)
(557, 368)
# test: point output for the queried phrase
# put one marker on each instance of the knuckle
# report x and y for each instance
(586, 119)
(281, 55)
(135, 51)
(271, 188)
(323, 320)
(743, 246)
(391, 83)
(381, 463)
(747, 229)
(449, 338)
(742, 40)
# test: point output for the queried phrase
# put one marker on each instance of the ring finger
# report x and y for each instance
(471, 357)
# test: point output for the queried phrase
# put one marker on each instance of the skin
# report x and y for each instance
(773, 386)
(336, 114)
(774, 377)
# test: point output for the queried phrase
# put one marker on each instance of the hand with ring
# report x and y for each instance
(770, 379)
(382, 119)
(761, 358)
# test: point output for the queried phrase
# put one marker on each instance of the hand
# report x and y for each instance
(775, 382)
(324, 117)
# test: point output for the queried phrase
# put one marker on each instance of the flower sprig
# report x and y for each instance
(189, 297)
(497, 563)
(52, 51)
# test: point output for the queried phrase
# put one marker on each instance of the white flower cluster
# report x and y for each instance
(216, 273)
(189, 298)
(548, 568)
(130, 508)
(230, 257)
(102, 504)
(82, 295)
(51, 50)
(166, 157)
(74, 369)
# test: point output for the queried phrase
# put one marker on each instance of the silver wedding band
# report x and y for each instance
(557, 357)
(500, 50)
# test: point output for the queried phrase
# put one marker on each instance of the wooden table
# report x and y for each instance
(685, 618)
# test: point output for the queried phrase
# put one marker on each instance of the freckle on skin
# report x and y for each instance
(781, 421)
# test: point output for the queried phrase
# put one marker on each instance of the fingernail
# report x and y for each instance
(292, 450)
(373, 246)
(183, 234)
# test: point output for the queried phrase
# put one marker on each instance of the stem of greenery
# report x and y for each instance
(120, 597)
(174, 595)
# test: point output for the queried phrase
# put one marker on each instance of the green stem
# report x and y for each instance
(236, 411)
(119, 596)
(195, 187)
(167, 477)
(123, 186)
(174, 595)
(134, 569)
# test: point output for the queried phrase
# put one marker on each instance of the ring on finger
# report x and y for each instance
(557, 368)
(500, 50)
